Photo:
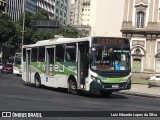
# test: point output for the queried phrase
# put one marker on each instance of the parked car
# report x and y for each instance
(1, 66)
(7, 68)
(155, 78)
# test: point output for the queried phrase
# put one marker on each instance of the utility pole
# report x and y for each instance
(23, 29)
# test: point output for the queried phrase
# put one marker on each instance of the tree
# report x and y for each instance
(7, 30)
(31, 37)
(42, 36)
(69, 32)
(16, 39)
(28, 19)
(41, 15)
(19, 28)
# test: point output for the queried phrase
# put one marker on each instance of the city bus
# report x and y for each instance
(100, 64)
(17, 64)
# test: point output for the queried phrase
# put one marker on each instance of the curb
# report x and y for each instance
(141, 94)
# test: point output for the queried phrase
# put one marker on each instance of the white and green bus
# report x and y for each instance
(17, 64)
(90, 64)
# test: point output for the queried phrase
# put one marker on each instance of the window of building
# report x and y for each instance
(159, 14)
(158, 46)
(137, 51)
(140, 19)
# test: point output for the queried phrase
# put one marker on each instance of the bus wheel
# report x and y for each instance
(106, 94)
(37, 81)
(72, 87)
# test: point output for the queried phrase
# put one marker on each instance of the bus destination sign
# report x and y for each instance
(108, 41)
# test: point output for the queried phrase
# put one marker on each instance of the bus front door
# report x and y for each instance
(28, 67)
(50, 80)
(82, 64)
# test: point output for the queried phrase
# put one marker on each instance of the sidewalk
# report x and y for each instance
(143, 90)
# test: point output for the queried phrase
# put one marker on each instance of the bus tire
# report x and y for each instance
(37, 81)
(72, 87)
(106, 94)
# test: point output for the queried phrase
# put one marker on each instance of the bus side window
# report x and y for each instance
(60, 49)
(70, 55)
(34, 55)
(41, 54)
(24, 54)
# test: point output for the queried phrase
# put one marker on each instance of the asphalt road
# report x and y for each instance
(16, 95)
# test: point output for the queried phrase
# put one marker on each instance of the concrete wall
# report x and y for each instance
(106, 17)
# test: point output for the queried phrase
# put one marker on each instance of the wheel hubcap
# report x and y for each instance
(37, 83)
(73, 86)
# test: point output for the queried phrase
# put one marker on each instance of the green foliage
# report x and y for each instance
(139, 81)
(42, 36)
(16, 38)
(7, 28)
(11, 33)
(41, 15)
(69, 32)
(28, 19)
(31, 37)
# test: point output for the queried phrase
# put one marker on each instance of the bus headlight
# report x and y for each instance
(126, 79)
(95, 79)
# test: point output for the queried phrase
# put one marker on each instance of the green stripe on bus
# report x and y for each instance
(62, 66)
(110, 80)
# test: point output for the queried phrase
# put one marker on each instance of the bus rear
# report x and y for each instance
(110, 68)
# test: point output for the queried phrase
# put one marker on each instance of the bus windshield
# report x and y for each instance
(17, 60)
(105, 58)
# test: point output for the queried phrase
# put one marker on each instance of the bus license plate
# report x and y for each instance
(115, 86)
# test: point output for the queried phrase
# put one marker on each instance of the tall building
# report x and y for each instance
(74, 12)
(71, 11)
(141, 24)
(84, 12)
(57, 9)
(79, 15)
(15, 7)
(79, 12)
(101, 17)
(31, 6)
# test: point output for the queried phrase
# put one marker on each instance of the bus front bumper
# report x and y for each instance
(94, 86)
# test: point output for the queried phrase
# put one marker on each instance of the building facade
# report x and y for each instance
(57, 9)
(106, 17)
(84, 12)
(79, 15)
(31, 6)
(75, 12)
(141, 24)
(15, 7)
(3, 5)
(71, 11)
